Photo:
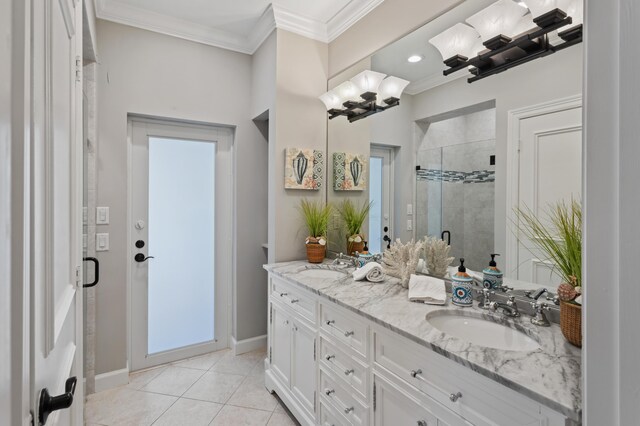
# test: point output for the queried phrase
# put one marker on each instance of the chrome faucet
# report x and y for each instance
(535, 295)
(540, 319)
(344, 260)
(509, 309)
(485, 303)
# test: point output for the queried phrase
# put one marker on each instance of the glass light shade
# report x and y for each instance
(368, 81)
(501, 17)
(391, 87)
(540, 7)
(460, 39)
(347, 91)
(574, 8)
(331, 100)
(524, 24)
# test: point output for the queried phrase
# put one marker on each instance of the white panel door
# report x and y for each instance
(57, 208)
(550, 171)
(303, 365)
(181, 240)
(380, 194)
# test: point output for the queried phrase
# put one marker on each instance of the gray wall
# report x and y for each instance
(147, 73)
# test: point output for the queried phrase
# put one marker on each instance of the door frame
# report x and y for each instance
(389, 151)
(514, 118)
(229, 201)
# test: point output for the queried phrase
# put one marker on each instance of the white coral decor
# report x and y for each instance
(436, 254)
(401, 260)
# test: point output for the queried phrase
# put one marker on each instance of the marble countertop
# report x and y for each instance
(550, 375)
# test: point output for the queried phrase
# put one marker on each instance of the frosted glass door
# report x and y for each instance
(181, 239)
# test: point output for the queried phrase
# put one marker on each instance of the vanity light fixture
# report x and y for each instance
(414, 58)
(365, 94)
(508, 33)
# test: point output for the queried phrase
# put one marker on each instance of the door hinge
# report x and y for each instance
(314, 349)
(374, 396)
(270, 314)
(78, 277)
(314, 401)
(269, 355)
(78, 68)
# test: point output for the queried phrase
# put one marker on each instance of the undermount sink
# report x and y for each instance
(322, 273)
(474, 328)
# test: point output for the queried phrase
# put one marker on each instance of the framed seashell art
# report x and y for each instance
(304, 169)
(349, 171)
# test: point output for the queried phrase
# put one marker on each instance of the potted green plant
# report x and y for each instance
(560, 239)
(353, 218)
(316, 216)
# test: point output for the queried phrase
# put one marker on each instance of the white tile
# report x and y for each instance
(280, 408)
(173, 381)
(253, 394)
(258, 370)
(281, 419)
(240, 364)
(214, 387)
(237, 416)
(141, 378)
(189, 412)
(123, 407)
(203, 362)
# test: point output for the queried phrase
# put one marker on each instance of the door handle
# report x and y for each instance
(96, 276)
(448, 236)
(139, 257)
(49, 404)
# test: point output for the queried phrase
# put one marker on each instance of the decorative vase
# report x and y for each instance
(355, 243)
(315, 252)
(571, 322)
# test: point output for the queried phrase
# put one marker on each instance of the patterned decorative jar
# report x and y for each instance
(492, 276)
(462, 287)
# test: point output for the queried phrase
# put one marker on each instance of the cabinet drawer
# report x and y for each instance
(350, 371)
(328, 416)
(346, 329)
(295, 298)
(478, 399)
(342, 400)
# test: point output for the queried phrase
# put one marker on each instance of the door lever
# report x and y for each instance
(49, 404)
(96, 270)
(139, 257)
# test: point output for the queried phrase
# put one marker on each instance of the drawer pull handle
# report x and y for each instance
(346, 333)
(329, 357)
(348, 372)
(414, 373)
(283, 294)
(329, 391)
(285, 322)
(455, 396)
(422, 423)
(295, 328)
(294, 300)
(330, 322)
(348, 410)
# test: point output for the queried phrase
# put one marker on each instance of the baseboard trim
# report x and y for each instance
(112, 379)
(248, 345)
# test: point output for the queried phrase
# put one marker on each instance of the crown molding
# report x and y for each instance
(434, 80)
(272, 18)
(349, 15)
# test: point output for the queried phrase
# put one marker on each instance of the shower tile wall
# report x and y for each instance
(457, 191)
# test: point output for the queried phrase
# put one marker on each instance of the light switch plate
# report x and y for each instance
(409, 225)
(409, 209)
(102, 242)
(102, 215)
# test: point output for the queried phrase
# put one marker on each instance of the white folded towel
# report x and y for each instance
(426, 289)
(371, 271)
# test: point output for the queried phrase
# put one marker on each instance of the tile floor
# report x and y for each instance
(213, 389)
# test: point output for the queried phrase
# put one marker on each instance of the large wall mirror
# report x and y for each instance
(454, 159)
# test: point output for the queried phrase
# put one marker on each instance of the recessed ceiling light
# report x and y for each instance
(414, 58)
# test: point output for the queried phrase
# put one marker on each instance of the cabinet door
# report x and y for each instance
(281, 345)
(303, 366)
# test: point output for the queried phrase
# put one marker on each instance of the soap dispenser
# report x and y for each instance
(461, 287)
(492, 276)
(364, 257)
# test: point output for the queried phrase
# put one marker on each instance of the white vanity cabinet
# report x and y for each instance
(333, 367)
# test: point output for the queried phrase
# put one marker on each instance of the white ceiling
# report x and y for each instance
(240, 25)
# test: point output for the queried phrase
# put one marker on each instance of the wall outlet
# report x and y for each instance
(409, 209)
(409, 225)
(102, 215)
(102, 242)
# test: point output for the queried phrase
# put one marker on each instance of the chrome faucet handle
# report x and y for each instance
(540, 318)
(486, 298)
(504, 288)
(512, 303)
(553, 298)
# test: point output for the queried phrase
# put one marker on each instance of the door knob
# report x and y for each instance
(49, 404)
(139, 257)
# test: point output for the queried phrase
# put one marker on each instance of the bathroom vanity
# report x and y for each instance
(343, 352)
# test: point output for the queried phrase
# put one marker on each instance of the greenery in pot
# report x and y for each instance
(316, 219)
(561, 242)
(353, 217)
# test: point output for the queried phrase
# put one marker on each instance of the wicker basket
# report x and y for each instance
(315, 252)
(353, 247)
(571, 322)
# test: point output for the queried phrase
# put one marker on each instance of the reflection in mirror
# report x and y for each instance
(483, 149)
